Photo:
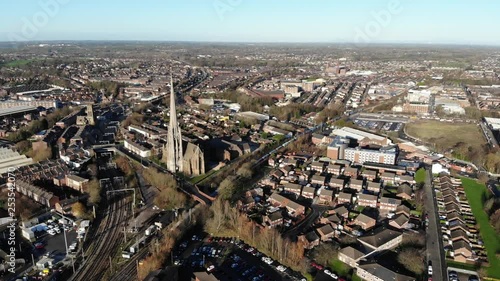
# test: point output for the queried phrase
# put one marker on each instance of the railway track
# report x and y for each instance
(105, 241)
(129, 271)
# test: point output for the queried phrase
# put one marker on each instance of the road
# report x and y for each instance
(434, 239)
(316, 212)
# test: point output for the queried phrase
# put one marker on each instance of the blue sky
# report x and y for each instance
(369, 21)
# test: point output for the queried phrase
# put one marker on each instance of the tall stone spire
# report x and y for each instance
(173, 148)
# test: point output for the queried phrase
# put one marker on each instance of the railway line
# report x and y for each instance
(129, 271)
(105, 240)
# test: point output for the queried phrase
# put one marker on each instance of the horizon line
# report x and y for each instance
(259, 42)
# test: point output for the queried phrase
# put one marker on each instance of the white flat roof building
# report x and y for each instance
(356, 134)
(254, 115)
(494, 123)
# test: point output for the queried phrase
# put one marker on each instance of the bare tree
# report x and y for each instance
(412, 259)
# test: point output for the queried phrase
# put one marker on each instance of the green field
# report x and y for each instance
(339, 267)
(474, 192)
(17, 63)
(444, 135)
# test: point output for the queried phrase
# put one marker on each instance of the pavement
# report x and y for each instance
(435, 252)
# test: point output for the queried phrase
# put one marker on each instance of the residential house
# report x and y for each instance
(245, 203)
(344, 198)
(277, 173)
(399, 221)
(405, 179)
(454, 218)
(351, 172)
(405, 191)
(334, 220)
(289, 161)
(459, 234)
(77, 183)
(326, 196)
(309, 240)
(381, 238)
(308, 192)
(452, 208)
(341, 211)
(350, 256)
(402, 209)
(294, 208)
(365, 222)
(64, 206)
(326, 232)
(37, 194)
(462, 251)
(369, 175)
(356, 184)
(367, 200)
(273, 219)
(373, 187)
(334, 169)
(457, 224)
(388, 178)
(337, 183)
(317, 179)
(287, 170)
(377, 272)
(317, 166)
(292, 188)
(389, 204)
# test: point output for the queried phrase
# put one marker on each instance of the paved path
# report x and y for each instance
(435, 252)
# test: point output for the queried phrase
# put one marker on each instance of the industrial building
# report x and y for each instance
(10, 158)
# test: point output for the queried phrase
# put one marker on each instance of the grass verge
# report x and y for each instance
(475, 194)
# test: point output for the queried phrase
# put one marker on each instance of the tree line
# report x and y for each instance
(41, 124)
(226, 220)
